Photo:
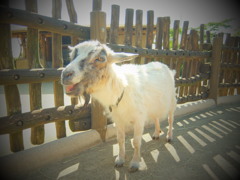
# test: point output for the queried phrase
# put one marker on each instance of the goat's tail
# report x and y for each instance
(173, 73)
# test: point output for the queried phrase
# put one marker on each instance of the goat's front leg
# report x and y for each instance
(138, 131)
(121, 141)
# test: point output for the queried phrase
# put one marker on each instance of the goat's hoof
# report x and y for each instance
(155, 137)
(118, 165)
(169, 139)
(134, 166)
(119, 162)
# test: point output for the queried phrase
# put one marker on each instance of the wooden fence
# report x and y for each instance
(205, 67)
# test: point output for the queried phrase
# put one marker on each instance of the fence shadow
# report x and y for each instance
(205, 146)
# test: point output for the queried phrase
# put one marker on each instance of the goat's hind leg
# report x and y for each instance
(170, 126)
(157, 129)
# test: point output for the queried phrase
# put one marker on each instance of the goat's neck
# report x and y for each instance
(110, 92)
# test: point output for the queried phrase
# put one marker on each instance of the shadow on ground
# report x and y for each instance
(206, 145)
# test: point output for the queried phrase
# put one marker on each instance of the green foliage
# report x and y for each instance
(217, 27)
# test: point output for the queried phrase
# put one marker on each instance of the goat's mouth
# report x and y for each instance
(73, 89)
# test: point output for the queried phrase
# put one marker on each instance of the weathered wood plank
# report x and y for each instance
(17, 122)
(186, 54)
(175, 34)
(138, 34)
(71, 11)
(208, 36)
(150, 28)
(113, 37)
(138, 28)
(96, 5)
(149, 32)
(73, 124)
(166, 32)
(201, 35)
(26, 76)
(215, 70)
(33, 20)
(183, 42)
(194, 38)
(159, 33)
(128, 27)
(98, 32)
(57, 61)
(37, 133)
(12, 96)
(98, 26)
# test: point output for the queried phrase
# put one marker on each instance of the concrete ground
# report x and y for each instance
(206, 145)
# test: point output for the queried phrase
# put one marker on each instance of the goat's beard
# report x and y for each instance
(78, 90)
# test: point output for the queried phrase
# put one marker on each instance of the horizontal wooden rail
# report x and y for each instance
(235, 67)
(159, 53)
(190, 98)
(192, 80)
(17, 122)
(25, 76)
(229, 85)
(33, 20)
(230, 48)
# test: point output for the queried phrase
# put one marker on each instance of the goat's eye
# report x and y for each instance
(81, 64)
(99, 59)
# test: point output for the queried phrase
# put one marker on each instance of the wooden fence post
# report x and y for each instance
(175, 34)
(37, 133)
(184, 35)
(128, 27)
(215, 70)
(113, 38)
(149, 32)
(159, 33)
(138, 33)
(74, 40)
(57, 62)
(98, 32)
(12, 96)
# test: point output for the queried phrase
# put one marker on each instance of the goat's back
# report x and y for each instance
(150, 89)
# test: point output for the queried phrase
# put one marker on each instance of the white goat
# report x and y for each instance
(131, 94)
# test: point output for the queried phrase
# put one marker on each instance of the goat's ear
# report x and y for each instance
(70, 48)
(72, 52)
(118, 57)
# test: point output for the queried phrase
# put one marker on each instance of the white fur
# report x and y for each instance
(149, 95)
